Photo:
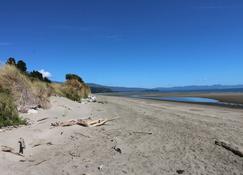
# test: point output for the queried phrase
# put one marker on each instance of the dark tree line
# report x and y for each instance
(74, 77)
(21, 65)
(39, 76)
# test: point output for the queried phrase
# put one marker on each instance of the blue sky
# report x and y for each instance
(139, 43)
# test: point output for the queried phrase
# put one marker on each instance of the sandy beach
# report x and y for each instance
(146, 137)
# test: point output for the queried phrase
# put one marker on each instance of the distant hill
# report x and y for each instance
(203, 88)
(97, 88)
(117, 89)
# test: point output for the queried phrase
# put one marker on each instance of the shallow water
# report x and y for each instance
(189, 99)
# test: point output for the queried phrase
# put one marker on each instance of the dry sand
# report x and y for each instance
(153, 137)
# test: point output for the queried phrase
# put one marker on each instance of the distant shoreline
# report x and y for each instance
(230, 100)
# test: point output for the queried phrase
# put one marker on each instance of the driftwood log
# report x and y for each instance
(10, 150)
(91, 123)
(233, 148)
(82, 122)
(7, 149)
(42, 119)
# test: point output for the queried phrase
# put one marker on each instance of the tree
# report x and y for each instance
(47, 80)
(73, 76)
(37, 75)
(21, 65)
(11, 61)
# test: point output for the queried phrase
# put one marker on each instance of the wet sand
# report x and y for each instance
(236, 98)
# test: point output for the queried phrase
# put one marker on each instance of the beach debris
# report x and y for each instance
(32, 111)
(82, 122)
(24, 160)
(7, 149)
(100, 167)
(91, 123)
(140, 132)
(42, 119)
(39, 144)
(180, 171)
(125, 172)
(233, 148)
(49, 143)
(102, 102)
(26, 109)
(10, 150)
(91, 98)
(21, 145)
(117, 149)
(40, 162)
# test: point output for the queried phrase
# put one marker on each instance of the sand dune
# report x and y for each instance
(146, 137)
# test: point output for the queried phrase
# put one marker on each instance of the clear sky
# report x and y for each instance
(139, 43)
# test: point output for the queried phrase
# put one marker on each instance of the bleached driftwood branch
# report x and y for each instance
(83, 122)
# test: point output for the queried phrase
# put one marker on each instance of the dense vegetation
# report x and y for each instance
(75, 88)
(74, 77)
(8, 110)
(21, 90)
(21, 66)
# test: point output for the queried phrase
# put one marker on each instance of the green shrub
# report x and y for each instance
(36, 75)
(57, 89)
(75, 90)
(21, 65)
(8, 111)
(11, 61)
(72, 94)
(74, 77)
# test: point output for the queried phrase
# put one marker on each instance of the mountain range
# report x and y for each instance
(217, 87)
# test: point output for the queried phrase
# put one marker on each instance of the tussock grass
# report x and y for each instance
(20, 92)
(57, 89)
(42, 92)
(8, 110)
(26, 93)
(75, 90)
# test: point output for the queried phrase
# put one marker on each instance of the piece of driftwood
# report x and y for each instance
(35, 145)
(140, 132)
(7, 149)
(117, 149)
(42, 119)
(10, 150)
(39, 144)
(69, 123)
(82, 122)
(49, 143)
(80, 134)
(40, 162)
(91, 123)
(233, 148)
(64, 124)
